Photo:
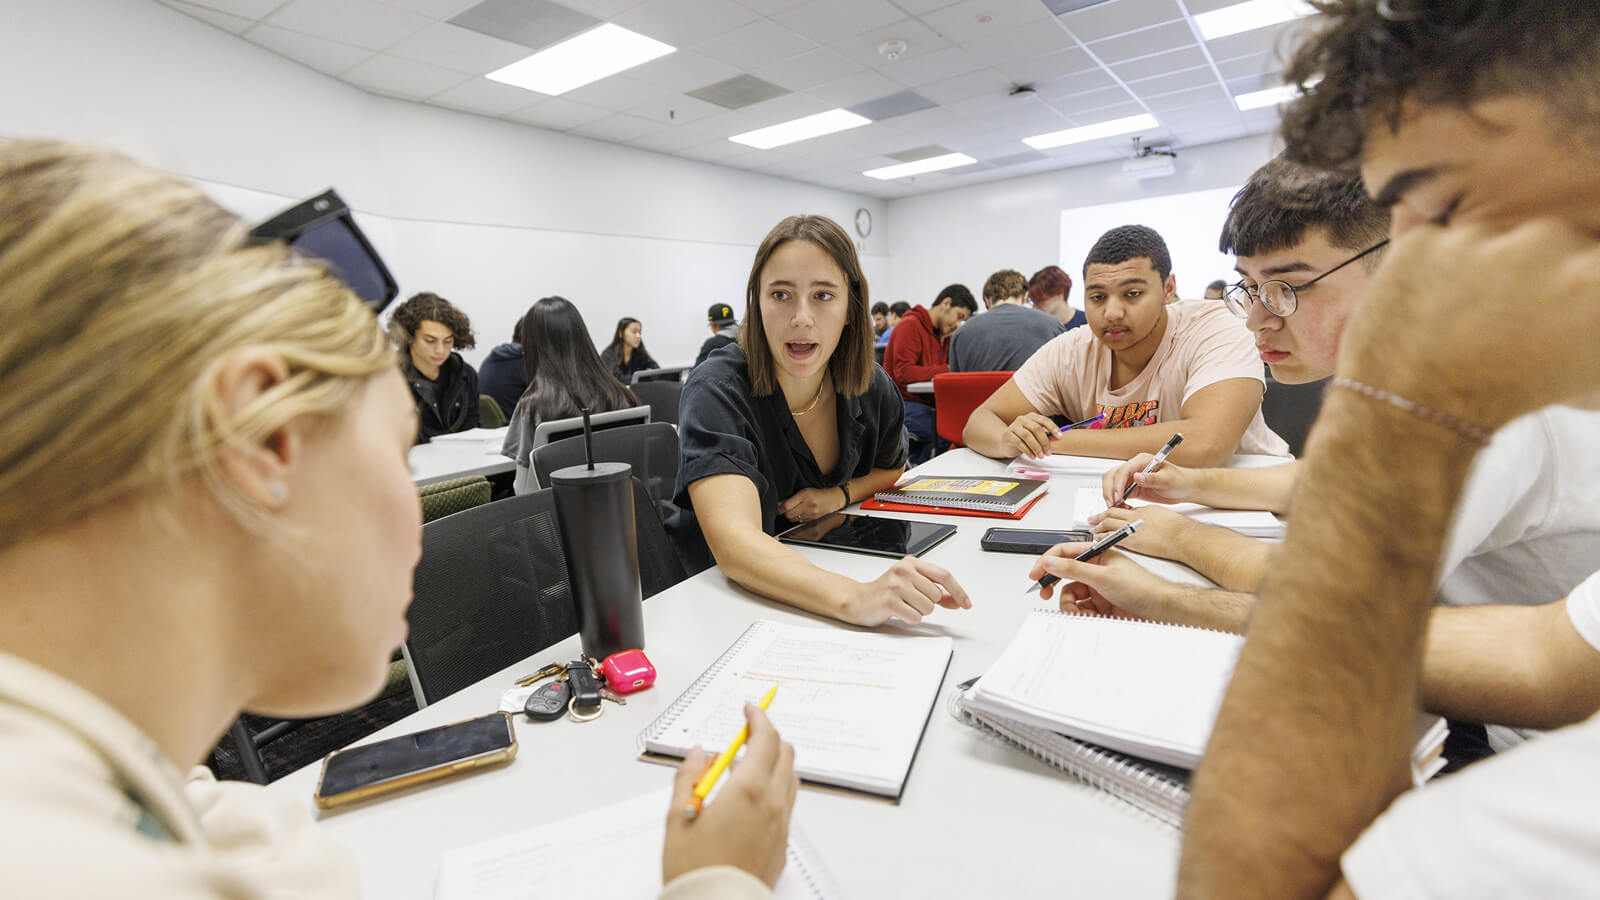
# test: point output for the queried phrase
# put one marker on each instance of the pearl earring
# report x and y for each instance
(279, 491)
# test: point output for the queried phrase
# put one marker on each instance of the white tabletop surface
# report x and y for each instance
(920, 387)
(444, 460)
(979, 818)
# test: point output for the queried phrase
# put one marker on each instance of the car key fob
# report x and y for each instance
(585, 685)
(549, 702)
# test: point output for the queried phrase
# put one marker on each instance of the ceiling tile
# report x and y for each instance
(1210, 93)
(535, 24)
(601, 9)
(1109, 113)
(1161, 64)
(963, 87)
(809, 69)
(676, 111)
(617, 93)
(773, 7)
(1278, 39)
(771, 112)
(1177, 81)
(738, 92)
(893, 106)
(684, 70)
(863, 48)
(826, 21)
(620, 127)
(668, 140)
(362, 23)
(1021, 43)
(716, 151)
(668, 21)
(1160, 39)
(558, 113)
(453, 47)
(1075, 83)
(1033, 69)
(249, 9)
(974, 20)
(920, 69)
(480, 95)
(1082, 103)
(1201, 118)
(402, 77)
(226, 21)
(857, 88)
(1119, 17)
(918, 7)
(755, 45)
(330, 57)
(1255, 64)
(433, 9)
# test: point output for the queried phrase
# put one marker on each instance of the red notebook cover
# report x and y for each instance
(872, 503)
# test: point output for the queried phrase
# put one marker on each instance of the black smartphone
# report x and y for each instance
(1029, 540)
(372, 769)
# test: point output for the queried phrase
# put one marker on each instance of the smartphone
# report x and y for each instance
(373, 769)
(1029, 540)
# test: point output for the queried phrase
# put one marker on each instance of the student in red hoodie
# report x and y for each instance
(916, 352)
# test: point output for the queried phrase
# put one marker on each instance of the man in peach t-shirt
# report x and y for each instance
(1152, 368)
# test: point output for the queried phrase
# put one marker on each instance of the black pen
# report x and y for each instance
(1097, 548)
(1161, 457)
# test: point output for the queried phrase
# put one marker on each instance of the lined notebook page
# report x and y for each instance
(853, 704)
(1142, 688)
(1089, 501)
(613, 853)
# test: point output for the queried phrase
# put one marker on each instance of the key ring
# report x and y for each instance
(572, 710)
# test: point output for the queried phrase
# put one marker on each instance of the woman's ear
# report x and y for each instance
(260, 468)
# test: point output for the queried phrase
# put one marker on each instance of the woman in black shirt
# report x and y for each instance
(793, 423)
(625, 354)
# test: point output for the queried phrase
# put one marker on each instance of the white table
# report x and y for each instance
(979, 817)
(443, 460)
(920, 387)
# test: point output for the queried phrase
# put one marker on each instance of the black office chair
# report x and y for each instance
(1289, 410)
(659, 566)
(651, 449)
(491, 589)
(662, 397)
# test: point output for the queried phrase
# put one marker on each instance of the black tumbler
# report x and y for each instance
(595, 506)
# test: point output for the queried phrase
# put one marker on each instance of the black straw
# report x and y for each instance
(588, 438)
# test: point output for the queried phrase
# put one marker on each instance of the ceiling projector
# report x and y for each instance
(1152, 162)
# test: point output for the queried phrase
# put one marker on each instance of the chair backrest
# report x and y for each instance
(443, 498)
(662, 397)
(659, 566)
(557, 429)
(490, 415)
(651, 449)
(1289, 410)
(671, 373)
(956, 395)
(492, 588)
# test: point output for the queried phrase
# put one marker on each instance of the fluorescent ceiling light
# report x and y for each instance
(1249, 16)
(1141, 122)
(1283, 93)
(577, 61)
(801, 129)
(921, 166)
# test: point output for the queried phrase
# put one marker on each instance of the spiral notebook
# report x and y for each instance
(853, 704)
(1003, 495)
(1089, 501)
(613, 852)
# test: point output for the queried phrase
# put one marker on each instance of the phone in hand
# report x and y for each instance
(1029, 540)
(357, 773)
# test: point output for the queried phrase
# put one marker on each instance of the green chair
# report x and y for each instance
(490, 415)
(442, 498)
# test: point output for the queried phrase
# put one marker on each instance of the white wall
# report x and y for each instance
(490, 214)
(968, 233)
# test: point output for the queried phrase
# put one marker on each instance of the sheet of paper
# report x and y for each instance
(853, 704)
(613, 853)
(1089, 501)
(1059, 466)
(486, 435)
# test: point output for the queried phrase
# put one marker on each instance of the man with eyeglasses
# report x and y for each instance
(1526, 532)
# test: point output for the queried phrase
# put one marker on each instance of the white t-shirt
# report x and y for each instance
(1519, 824)
(1203, 344)
(1527, 527)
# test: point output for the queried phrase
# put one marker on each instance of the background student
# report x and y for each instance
(428, 329)
(880, 319)
(1006, 334)
(797, 424)
(1048, 290)
(891, 319)
(253, 496)
(1304, 779)
(724, 330)
(564, 375)
(500, 374)
(1215, 289)
(916, 352)
(1155, 369)
(626, 354)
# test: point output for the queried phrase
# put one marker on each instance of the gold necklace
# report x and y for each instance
(814, 400)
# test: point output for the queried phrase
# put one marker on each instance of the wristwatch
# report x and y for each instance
(846, 488)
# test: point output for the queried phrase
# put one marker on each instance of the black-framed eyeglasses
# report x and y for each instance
(1280, 297)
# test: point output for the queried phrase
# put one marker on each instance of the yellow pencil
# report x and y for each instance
(708, 780)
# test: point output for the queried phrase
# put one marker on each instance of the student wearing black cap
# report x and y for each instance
(724, 330)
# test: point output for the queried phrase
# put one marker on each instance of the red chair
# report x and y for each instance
(956, 395)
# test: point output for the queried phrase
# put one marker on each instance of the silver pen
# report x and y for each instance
(1161, 457)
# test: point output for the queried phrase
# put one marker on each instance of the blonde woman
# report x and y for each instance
(251, 495)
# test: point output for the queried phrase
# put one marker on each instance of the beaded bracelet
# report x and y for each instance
(1459, 426)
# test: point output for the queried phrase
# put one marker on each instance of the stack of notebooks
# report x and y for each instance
(1003, 498)
(1089, 501)
(853, 704)
(1124, 705)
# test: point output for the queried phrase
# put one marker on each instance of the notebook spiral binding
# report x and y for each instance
(1123, 777)
(1133, 620)
(669, 717)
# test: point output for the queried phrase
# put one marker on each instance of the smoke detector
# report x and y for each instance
(891, 50)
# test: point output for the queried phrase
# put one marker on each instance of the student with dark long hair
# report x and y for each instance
(626, 354)
(565, 376)
(794, 423)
